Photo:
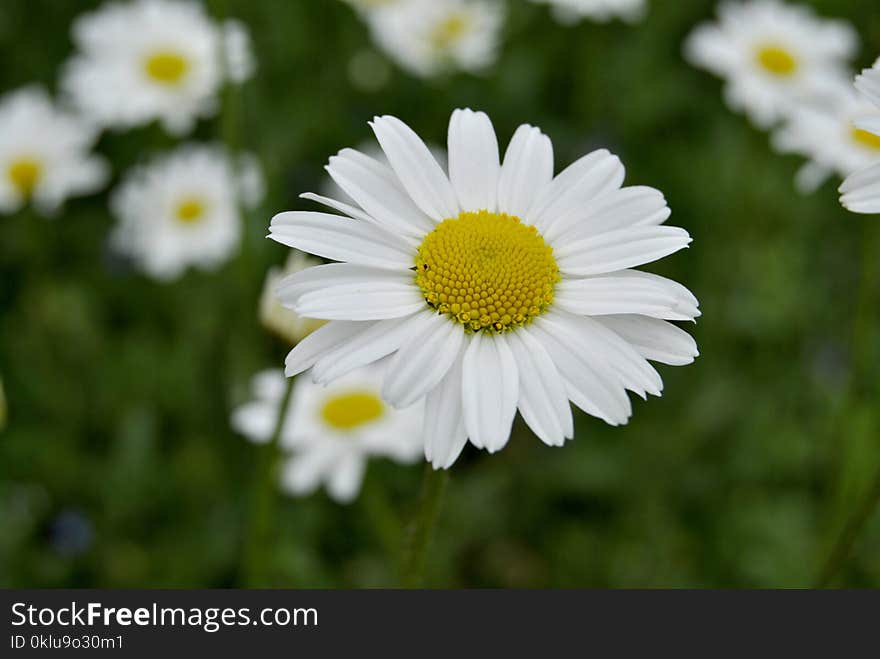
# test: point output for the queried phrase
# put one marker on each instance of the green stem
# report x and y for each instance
(418, 534)
(264, 497)
(860, 384)
(847, 538)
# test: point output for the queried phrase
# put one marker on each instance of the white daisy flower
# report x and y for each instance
(430, 37)
(153, 59)
(861, 190)
(277, 318)
(495, 288)
(831, 138)
(181, 210)
(331, 431)
(44, 153)
(772, 55)
(572, 11)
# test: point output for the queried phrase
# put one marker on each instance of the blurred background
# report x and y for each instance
(118, 466)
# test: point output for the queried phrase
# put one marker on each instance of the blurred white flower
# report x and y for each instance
(153, 59)
(571, 11)
(861, 190)
(44, 153)
(274, 316)
(331, 432)
(831, 137)
(430, 37)
(182, 209)
(495, 288)
(773, 56)
(366, 6)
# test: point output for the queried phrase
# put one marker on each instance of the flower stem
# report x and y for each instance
(255, 573)
(418, 534)
(860, 385)
(847, 538)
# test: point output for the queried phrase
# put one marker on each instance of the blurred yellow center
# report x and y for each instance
(352, 409)
(865, 138)
(190, 210)
(450, 30)
(166, 67)
(777, 60)
(486, 271)
(24, 174)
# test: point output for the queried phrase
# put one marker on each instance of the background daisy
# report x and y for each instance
(772, 55)
(831, 138)
(429, 37)
(331, 432)
(861, 190)
(274, 316)
(142, 60)
(571, 11)
(44, 153)
(496, 288)
(181, 210)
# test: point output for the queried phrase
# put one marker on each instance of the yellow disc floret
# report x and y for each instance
(864, 138)
(777, 60)
(24, 174)
(351, 409)
(190, 210)
(166, 67)
(487, 271)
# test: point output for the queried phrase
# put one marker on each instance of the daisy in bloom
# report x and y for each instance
(44, 153)
(182, 210)
(430, 37)
(331, 432)
(277, 318)
(861, 190)
(494, 288)
(153, 59)
(832, 138)
(572, 11)
(772, 56)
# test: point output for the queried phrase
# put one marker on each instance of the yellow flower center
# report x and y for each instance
(167, 67)
(190, 210)
(865, 138)
(486, 271)
(24, 173)
(450, 30)
(777, 60)
(352, 409)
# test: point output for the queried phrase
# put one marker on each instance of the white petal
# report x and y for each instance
(626, 291)
(422, 362)
(319, 277)
(592, 386)
(375, 188)
(654, 339)
(489, 390)
(303, 472)
(341, 239)
(585, 180)
(869, 84)
(543, 402)
(377, 341)
(321, 341)
(527, 168)
(474, 164)
(365, 300)
(346, 477)
(340, 206)
(597, 342)
(621, 209)
(416, 168)
(617, 250)
(444, 432)
(861, 191)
